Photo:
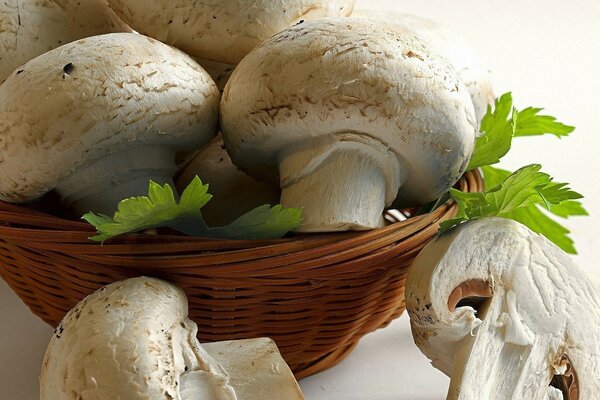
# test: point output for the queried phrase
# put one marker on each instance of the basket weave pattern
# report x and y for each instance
(315, 295)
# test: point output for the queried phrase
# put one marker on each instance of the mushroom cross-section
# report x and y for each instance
(131, 340)
(221, 30)
(505, 314)
(98, 118)
(345, 113)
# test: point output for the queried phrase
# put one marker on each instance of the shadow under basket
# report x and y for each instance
(315, 295)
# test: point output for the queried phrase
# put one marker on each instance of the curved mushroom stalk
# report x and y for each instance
(506, 314)
(131, 340)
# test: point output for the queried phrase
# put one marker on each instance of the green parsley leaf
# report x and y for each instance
(497, 132)
(500, 124)
(263, 222)
(532, 124)
(519, 196)
(161, 209)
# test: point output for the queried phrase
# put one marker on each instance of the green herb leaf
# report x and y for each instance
(497, 132)
(532, 124)
(500, 124)
(519, 196)
(161, 209)
(264, 222)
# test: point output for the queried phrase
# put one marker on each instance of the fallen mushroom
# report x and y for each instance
(449, 45)
(133, 340)
(345, 112)
(221, 30)
(234, 192)
(32, 27)
(505, 314)
(98, 118)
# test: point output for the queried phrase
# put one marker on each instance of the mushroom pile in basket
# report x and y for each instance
(312, 107)
(340, 117)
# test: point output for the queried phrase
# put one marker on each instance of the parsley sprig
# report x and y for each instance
(161, 209)
(527, 195)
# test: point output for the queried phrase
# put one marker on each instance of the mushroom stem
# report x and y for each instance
(344, 185)
(116, 177)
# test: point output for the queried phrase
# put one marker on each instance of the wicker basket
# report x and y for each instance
(315, 295)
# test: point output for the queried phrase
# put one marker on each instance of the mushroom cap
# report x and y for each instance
(320, 81)
(234, 193)
(221, 30)
(131, 340)
(93, 14)
(71, 106)
(450, 45)
(33, 27)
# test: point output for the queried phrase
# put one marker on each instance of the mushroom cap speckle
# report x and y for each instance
(71, 106)
(322, 81)
(221, 30)
(33, 27)
(130, 340)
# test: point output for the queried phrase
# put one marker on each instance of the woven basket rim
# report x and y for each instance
(221, 257)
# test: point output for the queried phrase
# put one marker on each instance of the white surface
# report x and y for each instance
(547, 53)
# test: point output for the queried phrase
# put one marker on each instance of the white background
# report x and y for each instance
(547, 53)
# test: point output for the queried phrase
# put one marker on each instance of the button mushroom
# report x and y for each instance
(234, 192)
(219, 72)
(345, 112)
(450, 45)
(98, 118)
(221, 30)
(32, 27)
(93, 14)
(133, 340)
(506, 314)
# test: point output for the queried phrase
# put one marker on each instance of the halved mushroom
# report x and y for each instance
(133, 340)
(98, 118)
(221, 30)
(505, 314)
(449, 45)
(29, 28)
(344, 112)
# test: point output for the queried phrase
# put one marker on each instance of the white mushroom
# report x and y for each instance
(221, 30)
(95, 15)
(345, 112)
(219, 72)
(32, 27)
(506, 314)
(98, 118)
(450, 45)
(133, 340)
(234, 192)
